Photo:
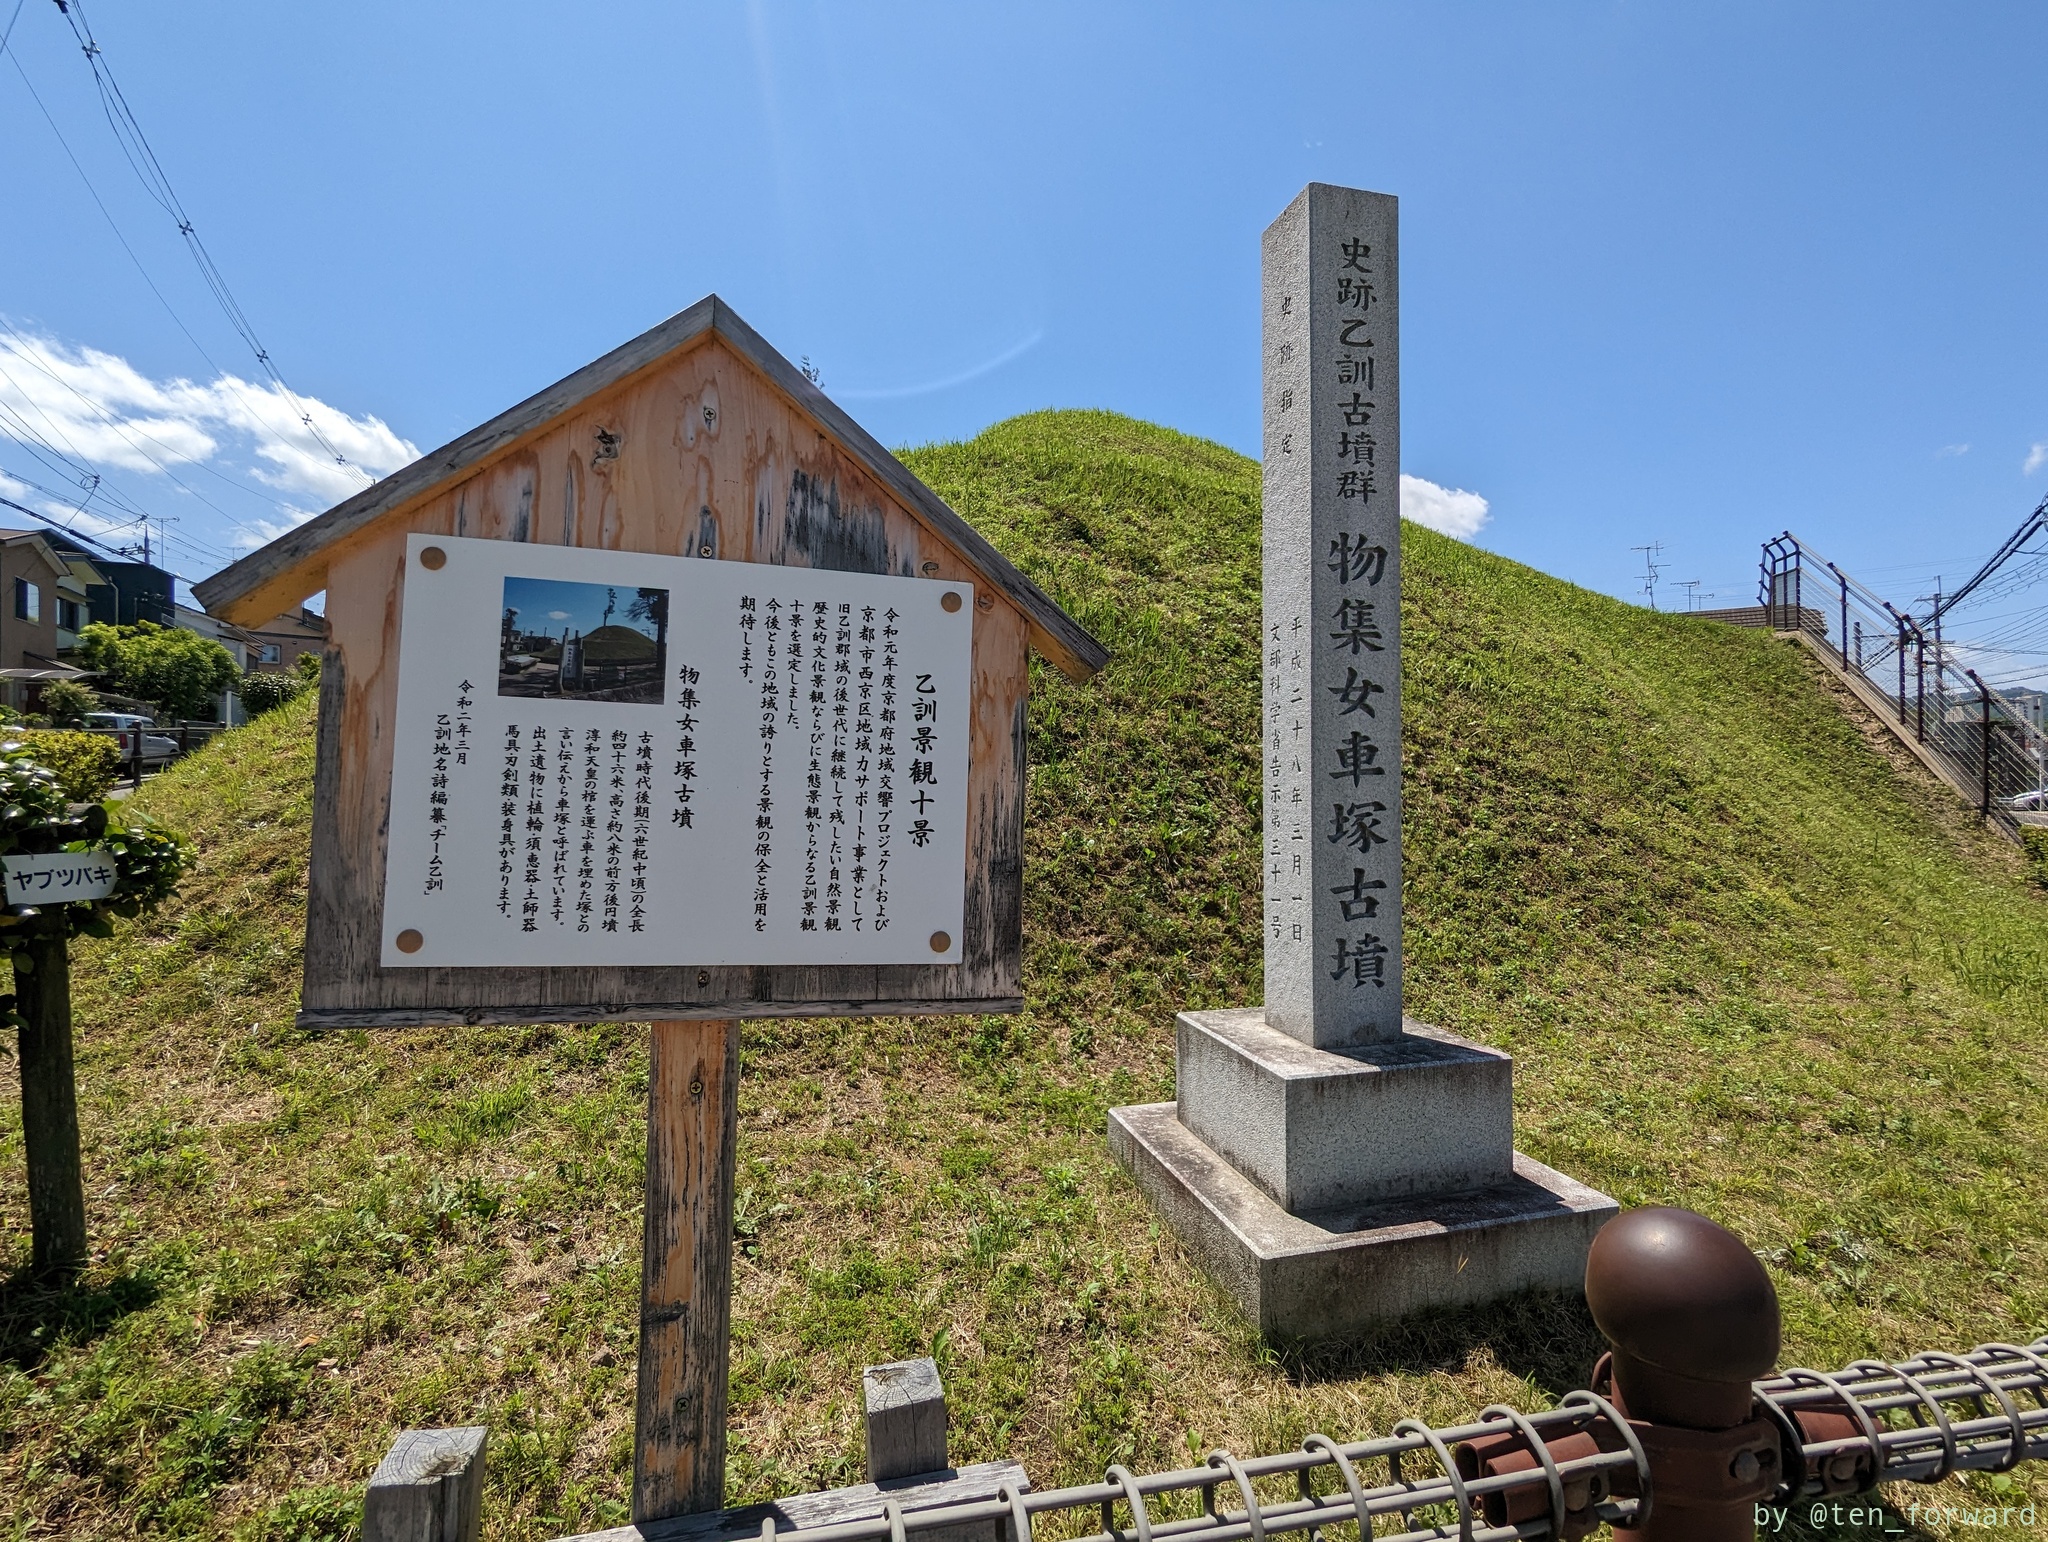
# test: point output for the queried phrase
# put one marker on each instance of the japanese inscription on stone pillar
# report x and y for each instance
(1332, 619)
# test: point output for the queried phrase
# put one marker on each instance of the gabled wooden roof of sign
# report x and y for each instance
(297, 556)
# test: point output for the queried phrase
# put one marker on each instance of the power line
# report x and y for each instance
(118, 426)
(135, 146)
(106, 214)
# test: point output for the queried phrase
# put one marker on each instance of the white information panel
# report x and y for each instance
(608, 757)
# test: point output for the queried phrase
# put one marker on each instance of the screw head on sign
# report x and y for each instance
(432, 558)
(949, 602)
(941, 942)
(409, 941)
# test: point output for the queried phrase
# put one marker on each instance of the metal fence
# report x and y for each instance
(151, 749)
(1985, 743)
(1560, 1473)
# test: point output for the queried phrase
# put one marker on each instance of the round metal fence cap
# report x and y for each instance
(1672, 1290)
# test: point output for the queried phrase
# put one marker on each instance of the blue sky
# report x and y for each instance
(1676, 274)
(550, 605)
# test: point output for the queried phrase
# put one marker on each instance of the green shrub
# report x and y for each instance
(2034, 842)
(85, 765)
(262, 692)
(308, 667)
(66, 702)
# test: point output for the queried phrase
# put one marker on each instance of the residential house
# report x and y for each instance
(278, 643)
(42, 597)
(125, 592)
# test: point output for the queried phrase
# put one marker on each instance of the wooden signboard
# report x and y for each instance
(666, 695)
(697, 442)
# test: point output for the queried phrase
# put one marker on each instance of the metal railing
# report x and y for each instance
(1986, 744)
(138, 756)
(1559, 1473)
(1679, 1437)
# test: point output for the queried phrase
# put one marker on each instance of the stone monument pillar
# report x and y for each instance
(1332, 1162)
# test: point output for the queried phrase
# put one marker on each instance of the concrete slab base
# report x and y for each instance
(1338, 1271)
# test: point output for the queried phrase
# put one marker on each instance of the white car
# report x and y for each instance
(157, 749)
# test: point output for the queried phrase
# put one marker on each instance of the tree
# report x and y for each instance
(651, 605)
(178, 671)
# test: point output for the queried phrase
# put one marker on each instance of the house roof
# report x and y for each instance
(40, 544)
(291, 567)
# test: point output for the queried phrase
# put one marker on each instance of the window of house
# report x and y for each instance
(68, 616)
(271, 653)
(28, 600)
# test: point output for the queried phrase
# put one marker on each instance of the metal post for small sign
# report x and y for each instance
(668, 695)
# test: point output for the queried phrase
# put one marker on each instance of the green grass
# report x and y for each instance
(1747, 959)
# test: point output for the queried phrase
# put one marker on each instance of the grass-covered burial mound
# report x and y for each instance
(1747, 960)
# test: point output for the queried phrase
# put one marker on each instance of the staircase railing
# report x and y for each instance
(1990, 746)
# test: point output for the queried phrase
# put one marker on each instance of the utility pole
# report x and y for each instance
(1934, 600)
(1651, 568)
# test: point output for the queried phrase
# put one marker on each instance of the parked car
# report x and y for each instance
(157, 749)
(2033, 802)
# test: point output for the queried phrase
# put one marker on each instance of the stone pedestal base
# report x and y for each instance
(1427, 1113)
(1301, 1278)
(1330, 1192)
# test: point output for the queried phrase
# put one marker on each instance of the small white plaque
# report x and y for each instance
(608, 757)
(56, 877)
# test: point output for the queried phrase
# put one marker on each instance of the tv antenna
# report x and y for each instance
(1651, 568)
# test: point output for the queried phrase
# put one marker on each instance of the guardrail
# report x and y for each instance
(1678, 1438)
(136, 751)
(1984, 743)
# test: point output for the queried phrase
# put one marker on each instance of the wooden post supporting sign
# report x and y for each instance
(693, 1087)
(49, 1108)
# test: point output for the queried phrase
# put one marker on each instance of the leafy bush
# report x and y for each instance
(66, 702)
(308, 667)
(262, 692)
(180, 671)
(85, 765)
(36, 817)
(2034, 842)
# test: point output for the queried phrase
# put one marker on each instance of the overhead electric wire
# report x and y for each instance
(118, 556)
(122, 428)
(71, 526)
(220, 374)
(135, 145)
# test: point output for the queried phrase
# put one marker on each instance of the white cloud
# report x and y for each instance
(99, 408)
(261, 532)
(1949, 450)
(558, 615)
(2037, 457)
(1447, 510)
